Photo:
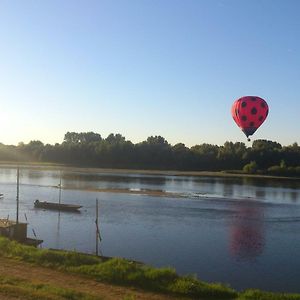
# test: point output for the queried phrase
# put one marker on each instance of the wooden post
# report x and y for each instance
(97, 228)
(59, 197)
(17, 217)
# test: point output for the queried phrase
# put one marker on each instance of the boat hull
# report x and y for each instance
(56, 206)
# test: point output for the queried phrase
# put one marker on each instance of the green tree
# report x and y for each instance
(250, 168)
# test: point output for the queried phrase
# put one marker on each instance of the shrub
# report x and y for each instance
(250, 168)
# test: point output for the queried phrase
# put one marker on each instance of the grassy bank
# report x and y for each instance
(119, 272)
(14, 287)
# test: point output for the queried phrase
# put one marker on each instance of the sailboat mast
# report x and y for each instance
(18, 175)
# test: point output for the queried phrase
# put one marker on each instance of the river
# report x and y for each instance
(244, 232)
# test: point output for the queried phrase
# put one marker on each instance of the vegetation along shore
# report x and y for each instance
(89, 149)
(31, 273)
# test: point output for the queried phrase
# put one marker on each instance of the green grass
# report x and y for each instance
(260, 295)
(121, 272)
(25, 289)
(117, 271)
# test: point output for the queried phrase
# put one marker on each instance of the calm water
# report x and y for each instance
(239, 231)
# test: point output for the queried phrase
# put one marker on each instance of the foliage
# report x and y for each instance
(250, 168)
(89, 149)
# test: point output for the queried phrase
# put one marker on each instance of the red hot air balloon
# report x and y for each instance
(249, 113)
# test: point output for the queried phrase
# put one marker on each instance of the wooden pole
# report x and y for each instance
(18, 174)
(97, 228)
(59, 198)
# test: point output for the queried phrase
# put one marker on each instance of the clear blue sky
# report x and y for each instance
(147, 67)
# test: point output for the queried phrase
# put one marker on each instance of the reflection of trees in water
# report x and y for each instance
(33, 174)
(228, 190)
(260, 194)
(57, 235)
(247, 231)
(126, 178)
(271, 182)
(294, 196)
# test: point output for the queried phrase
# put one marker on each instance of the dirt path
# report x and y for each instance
(22, 270)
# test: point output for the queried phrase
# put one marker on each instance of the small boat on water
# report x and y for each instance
(1, 195)
(56, 206)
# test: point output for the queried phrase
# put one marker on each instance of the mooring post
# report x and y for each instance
(17, 217)
(59, 196)
(97, 228)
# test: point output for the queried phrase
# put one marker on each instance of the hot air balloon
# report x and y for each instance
(249, 113)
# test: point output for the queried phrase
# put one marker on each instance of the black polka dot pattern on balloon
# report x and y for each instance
(253, 111)
(249, 113)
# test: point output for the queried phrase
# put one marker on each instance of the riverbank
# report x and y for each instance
(30, 273)
(21, 280)
(115, 271)
(61, 167)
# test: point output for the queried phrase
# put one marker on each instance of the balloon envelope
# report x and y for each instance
(249, 113)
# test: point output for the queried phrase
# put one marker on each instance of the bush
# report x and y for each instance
(250, 168)
(284, 171)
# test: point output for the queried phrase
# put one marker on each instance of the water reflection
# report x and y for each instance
(126, 178)
(267, 189)
(247, 231)
(218, 226)
(260, 194)
(57, 243)
(272, 182)
(294, 196)
(228, 190)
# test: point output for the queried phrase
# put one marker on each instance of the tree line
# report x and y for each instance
(89, 149)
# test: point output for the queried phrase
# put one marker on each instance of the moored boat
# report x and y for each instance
(56, 206)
